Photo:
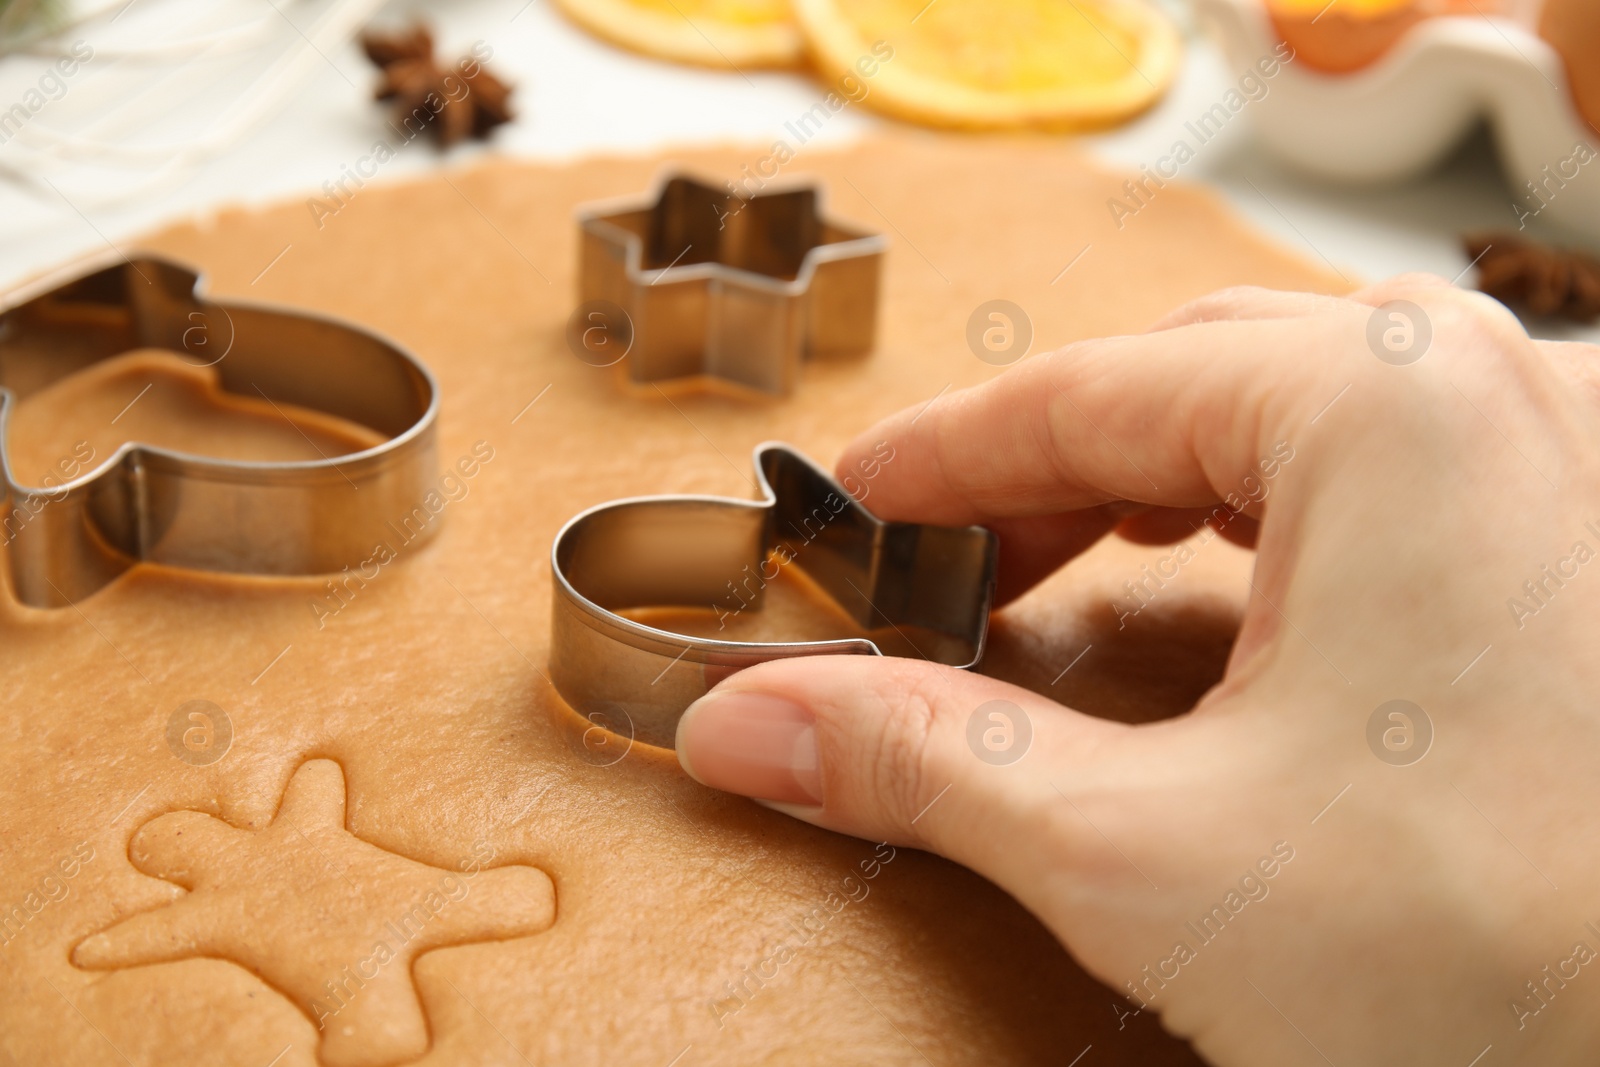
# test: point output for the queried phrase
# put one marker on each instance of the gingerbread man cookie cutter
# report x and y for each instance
(150, 504)
(718, 554)
(714, 285)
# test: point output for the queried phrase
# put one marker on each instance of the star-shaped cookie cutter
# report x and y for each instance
(154, 504)
(731, 288)
(719, 554)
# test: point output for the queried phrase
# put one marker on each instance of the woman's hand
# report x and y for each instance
(1299, 871)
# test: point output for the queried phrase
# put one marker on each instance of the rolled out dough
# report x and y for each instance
(686, 923)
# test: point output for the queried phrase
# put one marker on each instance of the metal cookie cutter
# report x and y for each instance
(153, 504)
(722, 286)
(715, 553)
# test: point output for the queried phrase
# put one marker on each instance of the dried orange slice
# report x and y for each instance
(989, 64)
(731, 34)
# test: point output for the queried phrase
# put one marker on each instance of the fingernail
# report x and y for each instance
(752, 744)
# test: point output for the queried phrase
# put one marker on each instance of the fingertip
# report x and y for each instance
(807, 813)
(755, 744)
(895, 470)
(863, 461)
(680, 742)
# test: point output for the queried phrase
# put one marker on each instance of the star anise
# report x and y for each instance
(456, 102)
(1539, 278)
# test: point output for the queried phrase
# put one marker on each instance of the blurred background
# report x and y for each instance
(1398, 126)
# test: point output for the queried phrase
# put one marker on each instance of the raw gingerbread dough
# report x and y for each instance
(685, 923)
(159, 399)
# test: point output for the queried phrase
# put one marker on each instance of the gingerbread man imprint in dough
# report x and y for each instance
(329, 920)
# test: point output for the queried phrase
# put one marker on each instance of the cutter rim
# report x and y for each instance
(597, 216)
(590, 611)
(611, 661)
(8, 400)
(149, 503)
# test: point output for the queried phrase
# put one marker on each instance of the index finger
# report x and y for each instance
(1177, 418)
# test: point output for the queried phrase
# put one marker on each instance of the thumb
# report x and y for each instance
(894, 750)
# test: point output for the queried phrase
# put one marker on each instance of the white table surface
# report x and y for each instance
(578, 95)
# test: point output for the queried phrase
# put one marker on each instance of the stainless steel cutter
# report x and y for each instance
(730, 287)
(701, 552)
(153, 504)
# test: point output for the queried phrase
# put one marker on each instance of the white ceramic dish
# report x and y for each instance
(1401, 115)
